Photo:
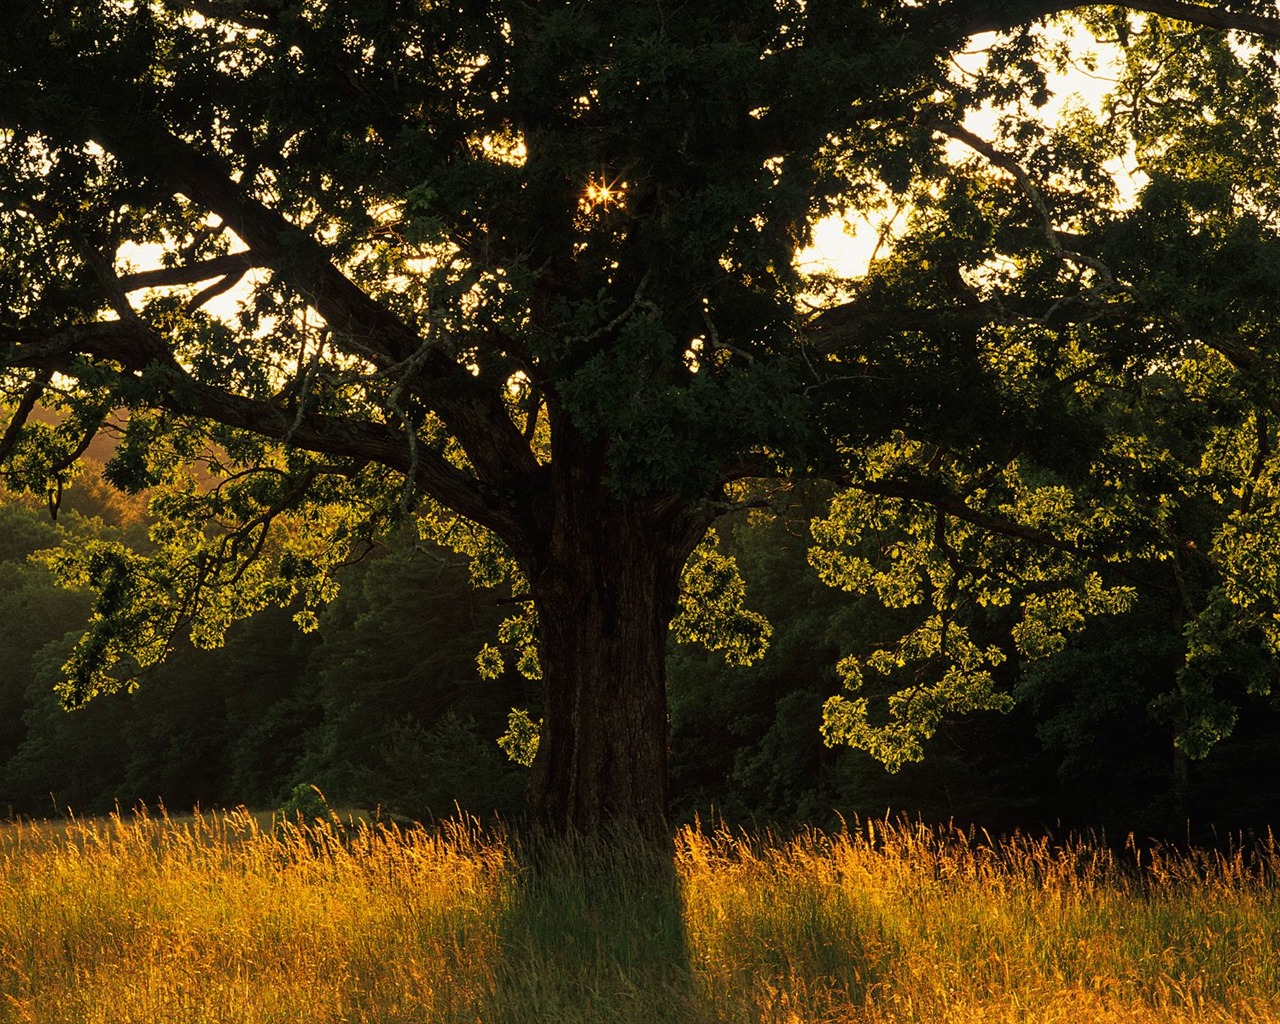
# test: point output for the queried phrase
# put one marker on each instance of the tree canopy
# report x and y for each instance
(525, 274)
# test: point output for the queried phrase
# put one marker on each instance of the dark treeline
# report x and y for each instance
(382, 707)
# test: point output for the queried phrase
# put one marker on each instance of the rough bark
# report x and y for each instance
(605, 596)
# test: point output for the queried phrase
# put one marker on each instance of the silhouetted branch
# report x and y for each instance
(162, 277)
(30, 396)
(987, 16)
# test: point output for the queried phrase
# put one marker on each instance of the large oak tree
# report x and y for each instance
(524, 273)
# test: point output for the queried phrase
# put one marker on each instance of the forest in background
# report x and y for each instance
(526, 280)
(383, 706)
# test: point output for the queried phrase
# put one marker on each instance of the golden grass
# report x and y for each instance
(218, 918)
(902, 923)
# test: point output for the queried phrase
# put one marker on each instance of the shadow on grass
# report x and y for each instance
(593, 930)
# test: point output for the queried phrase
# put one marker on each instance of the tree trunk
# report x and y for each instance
(605, 594)
(1180, 789)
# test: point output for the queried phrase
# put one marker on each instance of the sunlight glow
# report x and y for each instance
(604, 193)
(845, 245)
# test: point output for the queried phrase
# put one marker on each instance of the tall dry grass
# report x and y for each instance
(905, 923)
(217, 918)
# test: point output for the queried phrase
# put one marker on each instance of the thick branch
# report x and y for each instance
(953, 506)
(214, 290)
(372, 330)
(207, 270)
(129, 343)
(26, 405)
(977, 16)
(852, 326)
(857, 325)
(956, 508)
(473, 410)
(474, 413)
(134, 347)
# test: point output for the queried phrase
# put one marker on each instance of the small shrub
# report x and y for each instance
(306, 804)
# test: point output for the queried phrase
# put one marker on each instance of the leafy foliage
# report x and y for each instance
(523, 278)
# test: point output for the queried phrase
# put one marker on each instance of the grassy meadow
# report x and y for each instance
(220, 918)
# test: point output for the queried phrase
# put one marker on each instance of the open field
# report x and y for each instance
(218, 919)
